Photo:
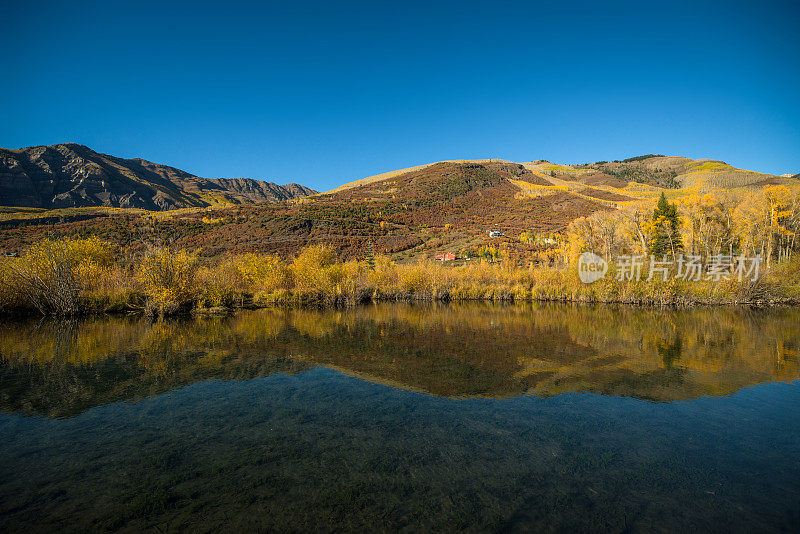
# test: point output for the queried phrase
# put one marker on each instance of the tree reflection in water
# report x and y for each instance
(403, 418)
(60, 368)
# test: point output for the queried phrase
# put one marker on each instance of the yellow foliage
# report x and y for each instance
(711, 166)
(168, 279)
(384, 277)
(72, 276)
(263, 273)
(53, 275)
(310, 269)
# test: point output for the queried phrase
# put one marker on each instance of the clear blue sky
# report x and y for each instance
(326, 92)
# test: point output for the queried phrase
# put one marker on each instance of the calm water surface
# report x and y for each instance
(397, 417)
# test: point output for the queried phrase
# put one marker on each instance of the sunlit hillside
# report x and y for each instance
(459, 206)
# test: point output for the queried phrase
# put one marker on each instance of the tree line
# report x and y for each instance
(763, 223)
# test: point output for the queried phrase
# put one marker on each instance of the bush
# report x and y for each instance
(383, 279)
(168, 280)
(220, 285)
(309, 270)
(74, 276)
(10, 296)
(262, 273)
(47, 277)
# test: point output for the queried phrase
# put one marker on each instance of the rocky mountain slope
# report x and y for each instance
(408, 214)
(670, 172)
(70, 175)
(444, 205)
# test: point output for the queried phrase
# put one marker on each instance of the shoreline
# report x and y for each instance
(327, 302)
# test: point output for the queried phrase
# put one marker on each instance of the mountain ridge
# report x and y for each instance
(461, 205)
(68, 175)
(669, 172)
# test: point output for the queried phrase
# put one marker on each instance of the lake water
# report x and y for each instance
(397, 417)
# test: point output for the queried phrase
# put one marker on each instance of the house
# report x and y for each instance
(495, 233)
(444, 256)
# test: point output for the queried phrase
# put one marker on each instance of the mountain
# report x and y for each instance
(71, 175)
(446, 204)
(671, 172)
(408, 214)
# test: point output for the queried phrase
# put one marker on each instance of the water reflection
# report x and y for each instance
(60, 369)
(283, 421)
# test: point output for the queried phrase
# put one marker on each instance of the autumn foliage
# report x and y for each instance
(80, 275)
(762, 223)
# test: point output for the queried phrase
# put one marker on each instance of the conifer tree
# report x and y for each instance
(370, 256)
(666, 237)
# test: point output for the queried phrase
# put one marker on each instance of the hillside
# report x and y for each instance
(670, 172)
(443, 205)
(407, 214)
(74, 176)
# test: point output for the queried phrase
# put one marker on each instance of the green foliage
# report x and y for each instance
(637, 173)
(666, 235)
(642, 158)
(370, 256)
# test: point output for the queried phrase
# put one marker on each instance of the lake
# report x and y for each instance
(404, 417)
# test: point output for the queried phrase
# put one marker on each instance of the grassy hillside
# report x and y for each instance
(409, 214)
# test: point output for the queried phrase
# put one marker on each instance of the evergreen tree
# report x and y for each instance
(666, 237)
(370, 256)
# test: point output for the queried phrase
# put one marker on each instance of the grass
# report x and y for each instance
(7, 214)
(535, 190)
(72, 277)
(712, 166)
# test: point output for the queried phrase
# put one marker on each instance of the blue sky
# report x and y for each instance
(325, 92)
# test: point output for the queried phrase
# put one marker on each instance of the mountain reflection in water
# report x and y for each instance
(62, 368)
(407, 418)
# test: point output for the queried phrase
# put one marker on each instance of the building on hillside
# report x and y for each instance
(445, 256)
(496, 233)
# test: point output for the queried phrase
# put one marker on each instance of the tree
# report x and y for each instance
(370, 256)
(607, 225)
(666, 236)
(636, 226)
(766, 223)
(709, 221)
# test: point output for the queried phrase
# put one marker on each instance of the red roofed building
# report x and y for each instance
(445, 256)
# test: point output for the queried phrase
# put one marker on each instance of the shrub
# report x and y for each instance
(168, 280)
(263, 273)
(10, 297)
(384, 278)
(430, 279)
(220, 285)
(47, 277)
(309, 270)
